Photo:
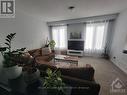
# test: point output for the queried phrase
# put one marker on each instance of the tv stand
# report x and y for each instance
(75, 37)
(75, 52)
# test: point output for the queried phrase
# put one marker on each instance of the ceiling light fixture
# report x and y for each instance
(71, 8)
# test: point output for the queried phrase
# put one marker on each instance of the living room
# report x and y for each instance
(88, 34)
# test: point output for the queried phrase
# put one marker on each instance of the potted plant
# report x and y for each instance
(53, 83)
(52, 45)
(11, 58)
(49, 46)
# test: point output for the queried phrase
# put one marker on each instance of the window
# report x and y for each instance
(95, 39)
(59, 35)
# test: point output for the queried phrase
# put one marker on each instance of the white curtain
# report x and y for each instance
(95, 38)
(59, 35)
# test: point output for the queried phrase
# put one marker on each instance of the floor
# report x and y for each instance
(105, 73)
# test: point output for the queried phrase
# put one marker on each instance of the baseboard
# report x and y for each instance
(118, 67)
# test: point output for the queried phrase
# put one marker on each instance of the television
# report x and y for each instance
(76, 45)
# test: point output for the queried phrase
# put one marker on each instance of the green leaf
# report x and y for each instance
(3, 48)
(54, 80)
(8, 40)
(49, 72)
(21, 49)
(9, 37)
(7, 44)
(12, 35)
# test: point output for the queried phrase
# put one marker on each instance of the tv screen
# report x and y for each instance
(76, 45)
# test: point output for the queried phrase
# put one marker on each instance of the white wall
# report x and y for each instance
(31, 33)
(75, 28)
(119, 41)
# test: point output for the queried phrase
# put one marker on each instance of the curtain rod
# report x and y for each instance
(84, 20)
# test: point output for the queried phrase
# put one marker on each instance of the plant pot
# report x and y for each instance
(31, 77)
(12, 72)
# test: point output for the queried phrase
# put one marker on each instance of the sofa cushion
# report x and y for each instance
(35, 52)
(46, 51)
(45, 58)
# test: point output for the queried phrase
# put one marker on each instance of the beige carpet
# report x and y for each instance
(105, 73)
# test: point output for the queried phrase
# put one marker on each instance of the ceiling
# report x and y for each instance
(54, 10)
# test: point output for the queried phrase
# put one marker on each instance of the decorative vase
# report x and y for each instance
(12, 72)
(31, 77)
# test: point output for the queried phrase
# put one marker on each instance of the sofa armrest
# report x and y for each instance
(80, 85)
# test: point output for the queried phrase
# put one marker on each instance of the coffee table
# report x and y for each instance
(67, 59)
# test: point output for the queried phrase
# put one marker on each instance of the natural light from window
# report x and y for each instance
(95, 37)
(59, 35)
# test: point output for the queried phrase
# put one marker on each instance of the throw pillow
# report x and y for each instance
(46, 51)
(35, 52)
(27, 55)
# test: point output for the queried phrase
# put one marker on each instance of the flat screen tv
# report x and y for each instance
(76, 45)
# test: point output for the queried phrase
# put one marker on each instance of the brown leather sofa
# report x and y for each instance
(37, 53)
(81, 79)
